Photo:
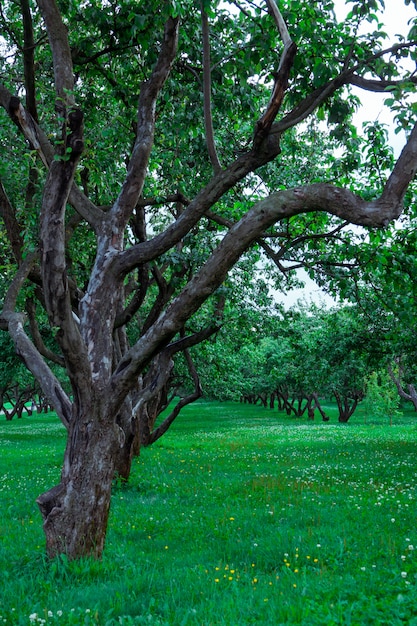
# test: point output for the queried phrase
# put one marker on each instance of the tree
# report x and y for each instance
(120, 223)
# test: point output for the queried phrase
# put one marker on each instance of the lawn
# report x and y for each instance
(239, 515)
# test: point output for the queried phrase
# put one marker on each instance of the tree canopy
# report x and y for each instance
(158, 160)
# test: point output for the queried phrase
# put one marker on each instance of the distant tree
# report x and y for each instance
(382, 399)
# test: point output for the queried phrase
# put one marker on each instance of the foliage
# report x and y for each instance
(382, 399)
(301, 352)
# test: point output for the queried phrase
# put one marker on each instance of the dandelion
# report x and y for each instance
(33, 617)
(404, 574)
(411, 547)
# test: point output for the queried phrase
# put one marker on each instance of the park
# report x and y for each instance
(179, 445)
(238, 515)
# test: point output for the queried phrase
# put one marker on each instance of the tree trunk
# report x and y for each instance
(345, 410)
(75, 512)
(411, 396)
(310, 407)
(320, 409)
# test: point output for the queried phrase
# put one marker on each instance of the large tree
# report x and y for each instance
(122, 226)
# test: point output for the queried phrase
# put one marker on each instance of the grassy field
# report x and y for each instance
(237, 516)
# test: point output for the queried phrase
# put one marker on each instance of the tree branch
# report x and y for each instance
(14, 323)
(133, 185)
(264, 124)
(192, 397)
(208, 118)
(318, 197)
(29, 59)
(61, 54)
(11, 224)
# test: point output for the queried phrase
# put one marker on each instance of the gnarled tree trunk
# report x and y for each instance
(75, 512)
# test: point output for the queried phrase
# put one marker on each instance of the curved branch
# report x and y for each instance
(380, 85)
(280, 22)
(264, 124)
(37, 337)
(192, 397)
(346, 77)
(208, 196)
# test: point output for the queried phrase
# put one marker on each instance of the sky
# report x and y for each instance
(395, 18)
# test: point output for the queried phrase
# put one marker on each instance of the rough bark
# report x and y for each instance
(75, 512)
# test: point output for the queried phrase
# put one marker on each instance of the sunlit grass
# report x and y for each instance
(239, 515)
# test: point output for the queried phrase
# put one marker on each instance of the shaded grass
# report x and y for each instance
(237, 516)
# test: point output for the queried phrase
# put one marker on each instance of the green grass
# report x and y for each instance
(237, 516)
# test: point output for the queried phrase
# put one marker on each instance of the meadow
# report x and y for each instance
(238, 515)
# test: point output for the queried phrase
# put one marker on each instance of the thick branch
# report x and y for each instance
(380, 85)
(133, 185)
(208, 196)
(53, 263)
(403, 172)
(61, 54)
(34, 362)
